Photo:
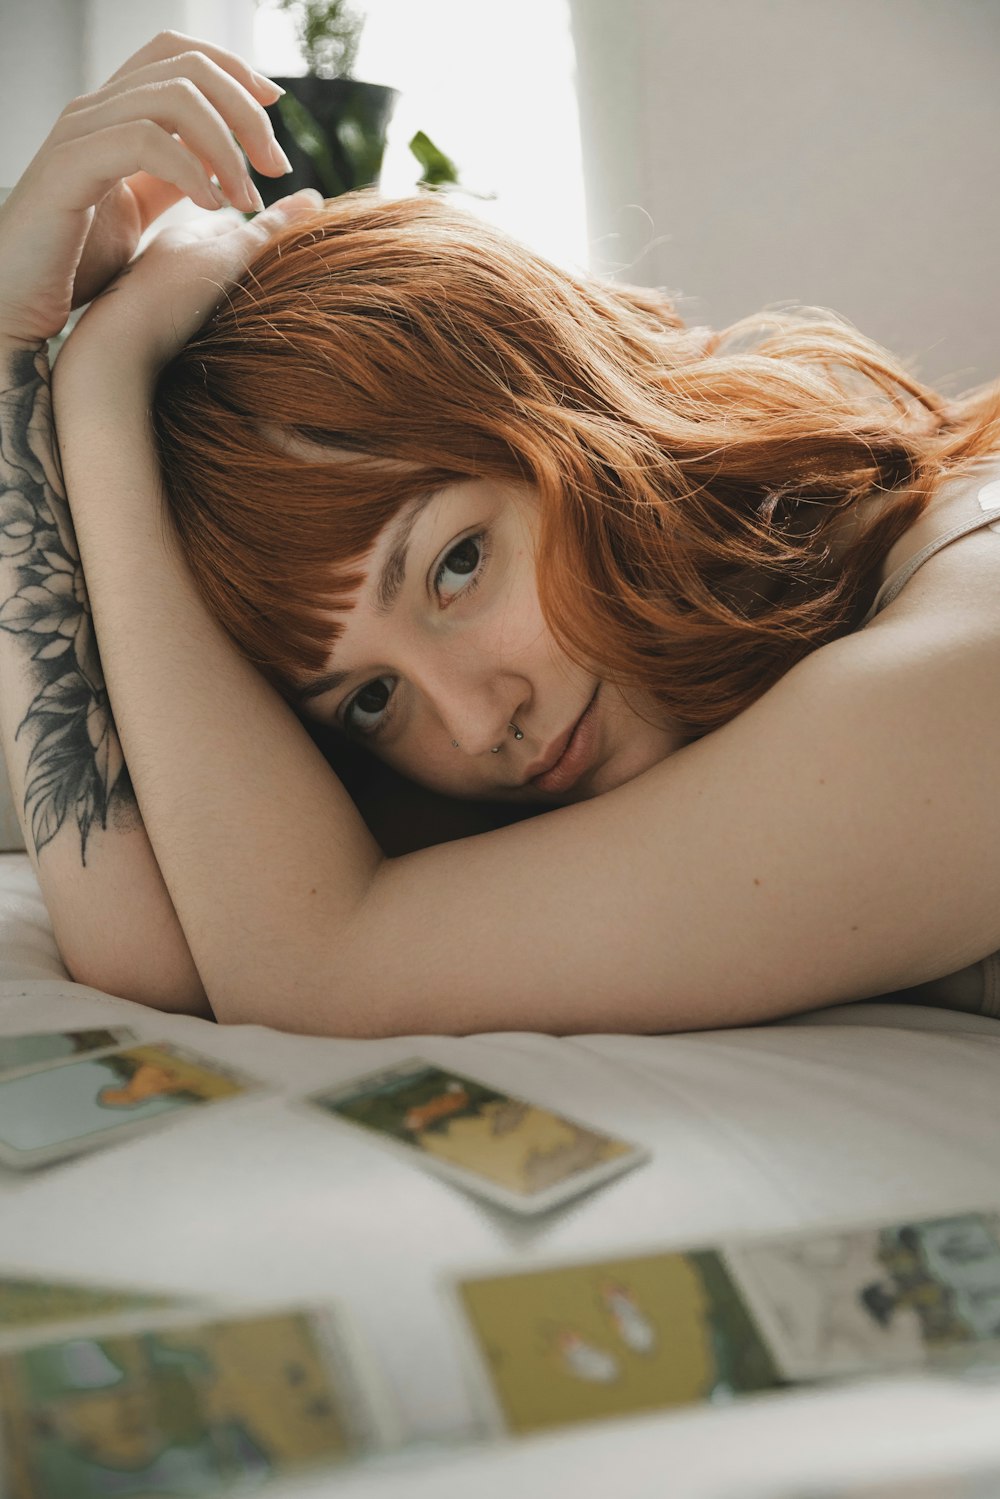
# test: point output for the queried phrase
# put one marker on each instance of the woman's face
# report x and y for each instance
(446, 645)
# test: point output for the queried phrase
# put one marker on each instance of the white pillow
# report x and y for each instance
(11, 837)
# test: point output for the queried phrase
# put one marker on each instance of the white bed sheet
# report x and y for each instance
(864, 1113)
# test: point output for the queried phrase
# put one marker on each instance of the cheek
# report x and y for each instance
(433, 765)
(522, 628)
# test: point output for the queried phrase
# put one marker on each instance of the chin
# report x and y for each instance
(626, 767)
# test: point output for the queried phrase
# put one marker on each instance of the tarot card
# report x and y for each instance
(28, 1303)
(31, 1308)
(853, 1302)
(187, 1407)
(518, 1154)
(77, 1106)
(571, 1343)
(45, 1048)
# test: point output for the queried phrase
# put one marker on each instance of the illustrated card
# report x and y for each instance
(183, 1409)
(44, 1048)
(27, 1303)
(77, 1106)
(874, 1299)
(572, 1343)
(513, 1152)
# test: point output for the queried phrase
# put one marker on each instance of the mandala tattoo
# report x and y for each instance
(75, 766)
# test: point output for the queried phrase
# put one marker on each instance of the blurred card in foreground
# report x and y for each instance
(184, 1409)
(42, 1048)
(610, 1338)
(27, 1302)
(72, 1107)
(871, 1299)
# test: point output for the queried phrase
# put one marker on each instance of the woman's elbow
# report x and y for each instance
(170, 987)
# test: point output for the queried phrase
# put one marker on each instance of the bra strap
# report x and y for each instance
(891, 587)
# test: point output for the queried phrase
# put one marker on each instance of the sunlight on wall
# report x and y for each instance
(493, 88)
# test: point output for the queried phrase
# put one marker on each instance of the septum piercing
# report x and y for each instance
(518, 734)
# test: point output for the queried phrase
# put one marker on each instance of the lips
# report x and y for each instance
(565, 760)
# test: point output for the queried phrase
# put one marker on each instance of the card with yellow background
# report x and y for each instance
(615, 1337)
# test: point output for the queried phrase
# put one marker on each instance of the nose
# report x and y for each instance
(476, 727)
(475, 706)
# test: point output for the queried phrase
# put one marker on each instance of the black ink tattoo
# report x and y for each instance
(75, 768)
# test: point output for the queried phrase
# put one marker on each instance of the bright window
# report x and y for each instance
(493, 87)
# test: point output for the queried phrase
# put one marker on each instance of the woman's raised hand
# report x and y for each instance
(155, 133)
(167, 293)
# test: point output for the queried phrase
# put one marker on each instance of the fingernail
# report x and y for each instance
(254, 196)
(279, 158)
(218, 194)
(269, 83)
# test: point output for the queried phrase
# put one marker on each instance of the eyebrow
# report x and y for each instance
(393, 571)
(391, 578)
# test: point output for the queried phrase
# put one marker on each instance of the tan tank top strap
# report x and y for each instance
(892, 586)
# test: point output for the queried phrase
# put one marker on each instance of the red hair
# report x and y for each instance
(675, 468)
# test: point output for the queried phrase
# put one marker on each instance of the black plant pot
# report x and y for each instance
(333, 132)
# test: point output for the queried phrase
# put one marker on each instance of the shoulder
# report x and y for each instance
(882, 798)
(942, 567)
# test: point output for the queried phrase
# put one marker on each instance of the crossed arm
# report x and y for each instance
(114, 921)
(779, 864)
(113, 916)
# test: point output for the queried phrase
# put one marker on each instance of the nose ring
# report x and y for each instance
(518, 734)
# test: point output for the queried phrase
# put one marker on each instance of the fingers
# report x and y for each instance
(191, 96)
(244, 115)
(177, 108)
(82, 170)
(246, 237)
(169, 44)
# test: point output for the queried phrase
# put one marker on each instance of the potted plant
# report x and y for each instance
(331, 126)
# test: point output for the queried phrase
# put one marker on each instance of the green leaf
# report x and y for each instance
(308, 135)
(436, 167)
(362, 149)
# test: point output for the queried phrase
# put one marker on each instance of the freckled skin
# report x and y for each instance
(460, 661)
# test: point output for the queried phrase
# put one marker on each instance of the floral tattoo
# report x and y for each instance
(75, 766)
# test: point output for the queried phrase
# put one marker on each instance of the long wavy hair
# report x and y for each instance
(689, 481)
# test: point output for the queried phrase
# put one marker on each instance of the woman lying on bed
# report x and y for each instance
(403, 488)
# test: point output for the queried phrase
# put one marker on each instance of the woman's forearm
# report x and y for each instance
(112, 915)
(264, 853)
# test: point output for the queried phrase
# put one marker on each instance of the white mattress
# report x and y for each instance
(861, 1114)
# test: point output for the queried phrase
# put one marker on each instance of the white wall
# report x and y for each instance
(52, 50)
(842, 152)
(40, 44)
